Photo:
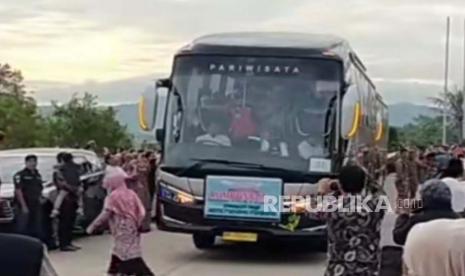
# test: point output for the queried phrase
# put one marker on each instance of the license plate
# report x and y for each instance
(240, 236)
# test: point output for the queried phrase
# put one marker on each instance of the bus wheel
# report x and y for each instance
(203, 241)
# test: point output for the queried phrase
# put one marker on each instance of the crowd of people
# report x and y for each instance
(129, 178)
(28, 199)
(430, 201)
(140, 166)
(129, 181)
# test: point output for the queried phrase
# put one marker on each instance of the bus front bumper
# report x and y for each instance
(173, 217)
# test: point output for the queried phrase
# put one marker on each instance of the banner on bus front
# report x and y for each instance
(241, 198)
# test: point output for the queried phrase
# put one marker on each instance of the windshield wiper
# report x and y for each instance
(180, 112)
(179, 96)
(328, 115)
(199, 163)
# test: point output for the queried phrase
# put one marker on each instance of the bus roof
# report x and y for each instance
(271, 43)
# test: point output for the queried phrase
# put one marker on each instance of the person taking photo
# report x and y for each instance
(353, 233)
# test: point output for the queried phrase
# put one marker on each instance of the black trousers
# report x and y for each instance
(30, 224)
(67, 219)
(391, 261)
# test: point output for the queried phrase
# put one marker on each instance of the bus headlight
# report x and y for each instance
(176, 195)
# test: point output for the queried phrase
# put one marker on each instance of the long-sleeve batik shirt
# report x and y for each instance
(353, 237)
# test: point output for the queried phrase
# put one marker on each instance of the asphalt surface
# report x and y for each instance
(174, 255)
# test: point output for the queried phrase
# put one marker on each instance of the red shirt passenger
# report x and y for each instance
(242, 123)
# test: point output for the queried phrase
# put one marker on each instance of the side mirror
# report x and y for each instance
(351, 113)
(152, 108)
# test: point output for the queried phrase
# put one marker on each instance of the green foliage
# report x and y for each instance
(71, 125)
(19, 118)
(394, 139)
(452, 101)
(81, 120)
(425, 131)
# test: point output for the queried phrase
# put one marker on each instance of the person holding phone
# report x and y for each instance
(353, 233)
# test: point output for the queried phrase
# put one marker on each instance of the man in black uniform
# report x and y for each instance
(28, 191)
(69, 180)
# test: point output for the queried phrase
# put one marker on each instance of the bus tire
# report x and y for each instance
(203, 241)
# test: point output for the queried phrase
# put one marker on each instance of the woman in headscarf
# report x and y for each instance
(436, 248)
(436, 203)
(124, 212)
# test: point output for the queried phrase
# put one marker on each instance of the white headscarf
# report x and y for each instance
(436, 248)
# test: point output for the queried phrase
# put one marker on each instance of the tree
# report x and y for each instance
(452, 101)
(19, 118)
(394, 141)
(81, 120)
(425, 131)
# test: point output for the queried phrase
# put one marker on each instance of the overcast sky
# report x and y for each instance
(114, 48)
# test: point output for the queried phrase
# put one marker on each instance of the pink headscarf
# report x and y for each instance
(122, 200)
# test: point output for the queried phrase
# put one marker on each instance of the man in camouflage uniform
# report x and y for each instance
(402, 175)
(369, 160)
(422, 168)
(413, 173)
(431, 164)
(379, 164)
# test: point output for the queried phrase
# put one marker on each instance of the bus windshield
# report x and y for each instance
(268, 111)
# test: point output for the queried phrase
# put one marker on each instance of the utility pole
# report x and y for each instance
(463, 87)
(446, 84)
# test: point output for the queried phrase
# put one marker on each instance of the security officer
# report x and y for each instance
(28, 191)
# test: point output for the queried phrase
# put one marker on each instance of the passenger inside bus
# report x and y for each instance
(214, 136)
(310, 148)
(273, 145)
(282, 118)
(272, 111)
(310, 120)
(243, 124)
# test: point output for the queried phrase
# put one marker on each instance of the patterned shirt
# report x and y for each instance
(353, 238)
(126, 235)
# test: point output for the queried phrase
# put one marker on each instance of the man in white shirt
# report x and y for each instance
(213, 137)
(453, 178)
(436, 248)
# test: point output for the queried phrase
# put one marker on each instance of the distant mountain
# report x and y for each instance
(127, 114)
(399, 115)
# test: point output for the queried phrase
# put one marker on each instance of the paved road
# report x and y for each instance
(174, 255)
